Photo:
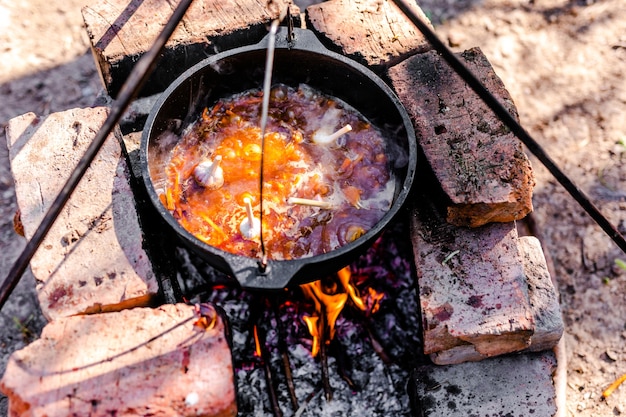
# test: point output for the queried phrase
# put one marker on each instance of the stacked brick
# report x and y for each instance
(483, 291)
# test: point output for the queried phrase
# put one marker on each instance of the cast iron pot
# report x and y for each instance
(303, 59)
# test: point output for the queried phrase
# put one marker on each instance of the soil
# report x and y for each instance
(561, 60)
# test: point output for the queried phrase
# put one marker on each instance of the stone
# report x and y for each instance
(511, 385)
(93, 258)
(121, 31)
(136, 362)
(480, 167)
(373, 32)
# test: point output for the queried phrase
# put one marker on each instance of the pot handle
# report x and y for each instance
(303, 39)
(276, 276)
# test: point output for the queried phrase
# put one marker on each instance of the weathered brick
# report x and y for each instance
(122, 31)
(496, 280)
(92, 258)
(479, 164)
(373, 32)
(544, 305)
(472, 286)
(543, 297)
(136, 362)
(511, 385)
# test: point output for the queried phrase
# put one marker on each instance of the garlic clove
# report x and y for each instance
(321, 137)
(250, 230)
(250, 227)
(209, 174)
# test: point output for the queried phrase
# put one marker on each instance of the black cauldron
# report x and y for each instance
(301, 59)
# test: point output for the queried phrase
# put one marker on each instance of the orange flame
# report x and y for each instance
(327, 309)
(257, 343)
(370, 303)
(321, 323)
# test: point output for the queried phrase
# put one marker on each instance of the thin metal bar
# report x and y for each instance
(257, 307)
(515, 127)
(129, 90)
(267, 84)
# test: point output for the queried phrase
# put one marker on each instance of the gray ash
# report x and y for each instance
(369, 360)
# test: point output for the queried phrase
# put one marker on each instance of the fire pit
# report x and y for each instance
(298, 340)
(347, 343)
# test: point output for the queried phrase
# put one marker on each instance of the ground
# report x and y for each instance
(561, 60)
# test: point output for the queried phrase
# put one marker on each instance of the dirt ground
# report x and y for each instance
(562, 61)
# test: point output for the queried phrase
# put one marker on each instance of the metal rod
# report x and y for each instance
(515, 127)
(269, 376)
(129, 90)
(266, 360)
(267, 84)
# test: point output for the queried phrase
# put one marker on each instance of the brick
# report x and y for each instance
(480, 166)
(511, 385)
(136, 362)
(543, 296)
(464, 286)
(121, 31)
(92, 258)
(373, 32)
(472, 286)
(544, 304)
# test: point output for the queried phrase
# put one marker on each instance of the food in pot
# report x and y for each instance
(326, 176)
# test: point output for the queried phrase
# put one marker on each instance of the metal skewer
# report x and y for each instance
(515, 127)
(138, 76)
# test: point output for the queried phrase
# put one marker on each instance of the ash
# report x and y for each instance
(369, 360)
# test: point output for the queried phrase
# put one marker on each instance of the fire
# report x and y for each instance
(257, 343)
(329, 302)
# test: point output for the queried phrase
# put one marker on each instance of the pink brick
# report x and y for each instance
(137, 362)
(92, 259)
(544, 304)
(375, 33)
(543, 296)
(483, 291)
(472, 286)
